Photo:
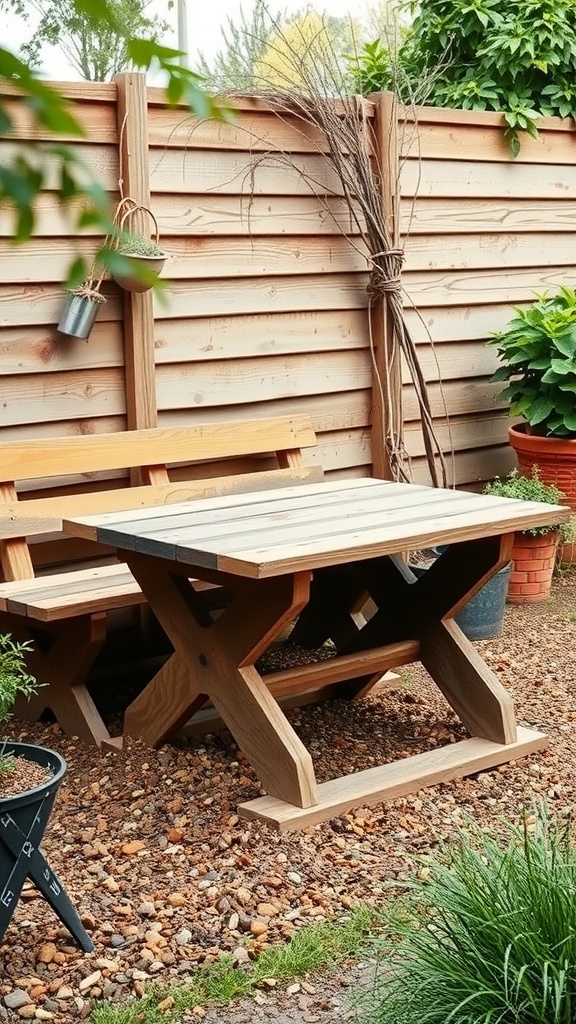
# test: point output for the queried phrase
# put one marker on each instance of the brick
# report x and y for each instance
(531, 564)
(544, 576)
(531, 588)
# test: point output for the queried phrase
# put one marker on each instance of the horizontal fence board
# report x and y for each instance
(263, 295)
(460, 433)
(267, 334)
(272, 377)
(35, 398)
(479, 251)
(97, 119)
(487, 217)
(43, 350)
(189, 258)
(342, 449)
(484, 142)
(471, 287)
(458, 323)
(451, 179)
(200, 216)
(453, 360)
(207, 172)
(101, 162)
(454, 398)
(42, 304)
(62, 428)
(252, 130)
(328, 412)
(450, 118)
(469, 468)
(261, 215)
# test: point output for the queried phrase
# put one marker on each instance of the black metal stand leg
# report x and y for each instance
(29, 862)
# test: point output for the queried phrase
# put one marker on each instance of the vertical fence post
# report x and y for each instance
(132, 110)
(386, 371)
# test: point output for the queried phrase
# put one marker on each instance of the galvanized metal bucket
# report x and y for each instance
(79, 314)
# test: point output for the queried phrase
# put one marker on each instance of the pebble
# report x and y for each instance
(17, 998)
(258, 927)
(147, 909)
(91, 980)
(184, 937)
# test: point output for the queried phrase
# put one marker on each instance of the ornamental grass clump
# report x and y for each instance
(486, 937)
(15, 681)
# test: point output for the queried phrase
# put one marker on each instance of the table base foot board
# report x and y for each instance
(473, 691)
(375, 785)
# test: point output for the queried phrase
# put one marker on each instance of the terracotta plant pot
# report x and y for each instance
(533, 560)
(554, 456)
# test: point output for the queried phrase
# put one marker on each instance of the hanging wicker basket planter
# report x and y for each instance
(142, 258)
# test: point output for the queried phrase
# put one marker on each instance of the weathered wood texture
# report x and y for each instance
(266, 298)
(481, 231)
(265, 306)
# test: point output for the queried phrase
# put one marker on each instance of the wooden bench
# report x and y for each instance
(65, 610)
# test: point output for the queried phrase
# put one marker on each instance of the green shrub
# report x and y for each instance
(529, 488)
(517, 56)
(488, 938)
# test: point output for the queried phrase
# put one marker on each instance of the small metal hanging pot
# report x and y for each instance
(79, 313)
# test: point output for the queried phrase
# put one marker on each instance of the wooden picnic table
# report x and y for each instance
(319, 551)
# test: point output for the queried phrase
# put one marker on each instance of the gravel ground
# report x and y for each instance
(165, 875)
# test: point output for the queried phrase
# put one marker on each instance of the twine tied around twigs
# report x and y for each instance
(385, 276)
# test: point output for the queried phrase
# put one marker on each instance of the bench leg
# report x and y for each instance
(62, 672)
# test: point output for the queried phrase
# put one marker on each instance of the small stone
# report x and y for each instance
(268, 910)
(46, 953)
(293, 876)
(91, 980)
(243, 896)
(43, 1014)
(147, 908)
(64, 992)
(117, 940)
(184, 937)
(293, 989)
(28, 1011)
(258, 927)
(177, 899)
(240, 956)
(130, 849)
(14, 1000)
(233, 922)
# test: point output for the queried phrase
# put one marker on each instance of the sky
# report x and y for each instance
(205, 19)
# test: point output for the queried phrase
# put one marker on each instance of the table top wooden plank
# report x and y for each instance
(308, 526)
(281, 521)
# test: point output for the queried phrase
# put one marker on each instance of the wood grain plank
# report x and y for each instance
(58, 456)
(484, 142)
(376, 785)
(435, 216)
(445, 179)
(473, 287)
(195, 173)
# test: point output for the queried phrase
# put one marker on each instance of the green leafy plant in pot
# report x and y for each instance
(30, 777)
(537, 352)
(534, 550)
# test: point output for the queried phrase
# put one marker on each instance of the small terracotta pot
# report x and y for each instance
(533, 560)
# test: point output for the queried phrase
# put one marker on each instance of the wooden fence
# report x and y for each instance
(484, 231)
(266, 303)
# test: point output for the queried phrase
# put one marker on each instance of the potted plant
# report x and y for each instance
(537, 350)
(142, 256)
(534, 550)
(30, 777)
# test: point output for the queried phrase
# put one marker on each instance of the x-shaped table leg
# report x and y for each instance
(216, 659)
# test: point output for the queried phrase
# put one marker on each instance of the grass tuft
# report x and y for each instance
(489, 937)
(310, 949)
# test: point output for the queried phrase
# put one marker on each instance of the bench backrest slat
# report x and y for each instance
(62, 456)
(149, 452)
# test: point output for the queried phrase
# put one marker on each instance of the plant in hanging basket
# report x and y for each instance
(140, 259)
